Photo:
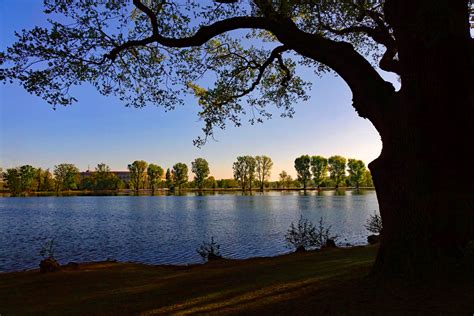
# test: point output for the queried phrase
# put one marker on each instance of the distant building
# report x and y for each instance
(122, 175)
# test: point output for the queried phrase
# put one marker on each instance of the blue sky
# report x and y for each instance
(101, 129)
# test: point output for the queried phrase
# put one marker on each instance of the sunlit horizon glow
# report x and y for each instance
(100, 129)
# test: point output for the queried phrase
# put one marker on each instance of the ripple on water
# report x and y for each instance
(168, 229)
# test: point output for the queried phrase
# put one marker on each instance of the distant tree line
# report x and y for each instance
(100, 180)
(312, 171)
(249, 173)
(27, 178)
(329, 172)
(250, 170)
(141, 175)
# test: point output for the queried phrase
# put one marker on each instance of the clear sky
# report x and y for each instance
(101, 129)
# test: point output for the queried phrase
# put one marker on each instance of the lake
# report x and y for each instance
(168, 229)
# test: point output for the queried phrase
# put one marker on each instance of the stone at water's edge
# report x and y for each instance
(213, 257)
(373, 239)
(49, 265)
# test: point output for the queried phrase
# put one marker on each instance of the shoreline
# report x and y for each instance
(183, 265)
(167, 192)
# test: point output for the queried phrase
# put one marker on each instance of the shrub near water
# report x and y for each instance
(48, 248)
(49, 263)
(374, 224)
(305, 235)
(209, 250)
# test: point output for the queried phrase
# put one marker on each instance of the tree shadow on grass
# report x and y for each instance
(353, 293)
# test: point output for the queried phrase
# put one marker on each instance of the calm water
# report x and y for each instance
(168, 229)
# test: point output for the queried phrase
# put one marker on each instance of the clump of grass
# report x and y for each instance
(209, 250)
(48, 249)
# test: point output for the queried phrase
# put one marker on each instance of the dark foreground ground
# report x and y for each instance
(332, 282)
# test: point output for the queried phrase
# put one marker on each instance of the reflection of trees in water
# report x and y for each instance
(340, 192)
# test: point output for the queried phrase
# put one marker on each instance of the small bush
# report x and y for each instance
(48, 248)
(374, 224)
(305, 235)
(48, 264)
(323, 234)
(300, 236)
(209, 250)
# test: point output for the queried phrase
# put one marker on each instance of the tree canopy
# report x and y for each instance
(337, 169)
(154, 175)
(137, 170)
(357, 171)
(302, 166)
(66, 175)
(263, 168)
(180, 174)
(149, 52)
(200, 168)
(244, 171)
(319, 169)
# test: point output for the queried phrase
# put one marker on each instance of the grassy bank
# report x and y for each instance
(332, 282)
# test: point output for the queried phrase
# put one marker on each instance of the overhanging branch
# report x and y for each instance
(275, 54)
(380, 34)
(204, 34)
(370, 91)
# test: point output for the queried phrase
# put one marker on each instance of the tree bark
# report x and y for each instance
(421, 177)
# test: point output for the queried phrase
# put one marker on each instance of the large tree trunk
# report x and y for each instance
(423, 175)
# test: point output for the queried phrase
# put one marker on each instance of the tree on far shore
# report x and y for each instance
(337, 169)
(357, 171)
(285, 180)
(244, 171)
(319, 169)
(180, 174)
(169, 179)
(105, 179)
(302, 166)
(154, 176)
(137, 174)
(200, 168)
(263, 169)
(27, 178)
(368, 182)
(210, 183)
(66, 177)
(12, 179)
(47, 181)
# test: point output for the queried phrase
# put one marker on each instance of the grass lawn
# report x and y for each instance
(331, 282)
